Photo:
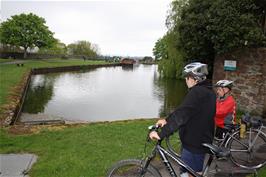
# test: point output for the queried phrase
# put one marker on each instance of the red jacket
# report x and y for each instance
(225, 112)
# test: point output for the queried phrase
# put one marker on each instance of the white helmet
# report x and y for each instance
(197, 70)
(224, 83)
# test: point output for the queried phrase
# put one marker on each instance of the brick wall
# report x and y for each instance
(249, 78)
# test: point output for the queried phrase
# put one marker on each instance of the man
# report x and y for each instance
(194, 118)
(225, 108)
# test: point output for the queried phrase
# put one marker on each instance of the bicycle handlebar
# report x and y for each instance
(154, 128)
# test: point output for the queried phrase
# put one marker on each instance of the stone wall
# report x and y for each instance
(249, 78)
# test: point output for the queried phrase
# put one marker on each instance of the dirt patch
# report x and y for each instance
(39, 128)
(19, 129)
(35, 129)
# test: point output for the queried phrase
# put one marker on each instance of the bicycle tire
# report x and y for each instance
(253, 159)
(131, 168)
(172, 144)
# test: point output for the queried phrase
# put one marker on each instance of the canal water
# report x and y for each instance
(104, 94)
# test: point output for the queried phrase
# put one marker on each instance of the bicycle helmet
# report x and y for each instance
(224, 83)
(197, 70)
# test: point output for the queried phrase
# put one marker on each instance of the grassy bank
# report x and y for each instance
(85, 150)
(5, 60)
(11, 74)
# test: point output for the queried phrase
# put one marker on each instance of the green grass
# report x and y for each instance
(5, 60)
(262, 172)
(10, 75)
(84, 150)
(87, 150)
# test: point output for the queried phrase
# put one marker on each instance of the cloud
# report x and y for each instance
(118, 27)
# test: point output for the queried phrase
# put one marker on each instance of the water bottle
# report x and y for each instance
(242, 130)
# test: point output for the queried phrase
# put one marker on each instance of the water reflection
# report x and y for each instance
(171, 92)
(102, 94)
(127, 67)
(40, 91)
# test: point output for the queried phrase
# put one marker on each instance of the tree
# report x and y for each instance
(168, 49)
(27, 31)
(198, 30)
(9, 48)
(212, 27)
(235, 24)
(169, 55)
(194, 37)
(56, 48)
(261, 13)
(160, 49)
(95, 48)
(84, 48)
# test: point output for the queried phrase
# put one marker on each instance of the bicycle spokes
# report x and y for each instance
(249, 152)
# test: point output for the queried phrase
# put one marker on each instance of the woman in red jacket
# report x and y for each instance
(225, 107)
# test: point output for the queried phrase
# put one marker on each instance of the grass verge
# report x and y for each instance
(79, 150)
(262, 172)
(5, 60)
(84, 150)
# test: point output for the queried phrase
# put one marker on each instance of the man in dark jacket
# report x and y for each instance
(194, 118)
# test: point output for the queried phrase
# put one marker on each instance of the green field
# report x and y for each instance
(84, 150)
(80, 150)
(5, 60)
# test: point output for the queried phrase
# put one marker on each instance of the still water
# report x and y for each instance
(104, 94)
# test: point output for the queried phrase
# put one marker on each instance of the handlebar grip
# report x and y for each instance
(154, 127)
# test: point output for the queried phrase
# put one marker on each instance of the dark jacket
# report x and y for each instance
(194, 118)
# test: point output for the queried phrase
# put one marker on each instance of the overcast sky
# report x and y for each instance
(125, 27)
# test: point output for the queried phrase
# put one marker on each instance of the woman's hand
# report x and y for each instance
(161, 122)
(154, 136)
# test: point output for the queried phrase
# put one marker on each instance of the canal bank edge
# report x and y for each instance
(12, 110)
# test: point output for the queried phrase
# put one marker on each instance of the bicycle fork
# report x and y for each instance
(147, 162)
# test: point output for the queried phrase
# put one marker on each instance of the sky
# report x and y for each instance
(118, 27)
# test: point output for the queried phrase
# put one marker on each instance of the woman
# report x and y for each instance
(225, 108)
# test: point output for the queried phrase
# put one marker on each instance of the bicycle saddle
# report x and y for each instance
(231, 128)
(219, 152)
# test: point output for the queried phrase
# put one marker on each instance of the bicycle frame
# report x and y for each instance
(252, 142)
(165, 154)
(223, 142)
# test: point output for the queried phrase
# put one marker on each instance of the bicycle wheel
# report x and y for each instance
(248, 152)
(173, 144)
(132, 168)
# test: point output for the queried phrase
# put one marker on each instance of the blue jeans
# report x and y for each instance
(194, 161)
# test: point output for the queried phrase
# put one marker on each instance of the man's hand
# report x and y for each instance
(154, 135)
(161, 122)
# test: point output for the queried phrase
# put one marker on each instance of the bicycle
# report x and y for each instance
(247, 152)
(144, 168)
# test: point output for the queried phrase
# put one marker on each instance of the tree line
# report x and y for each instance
(199, 30)
(25, 32)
